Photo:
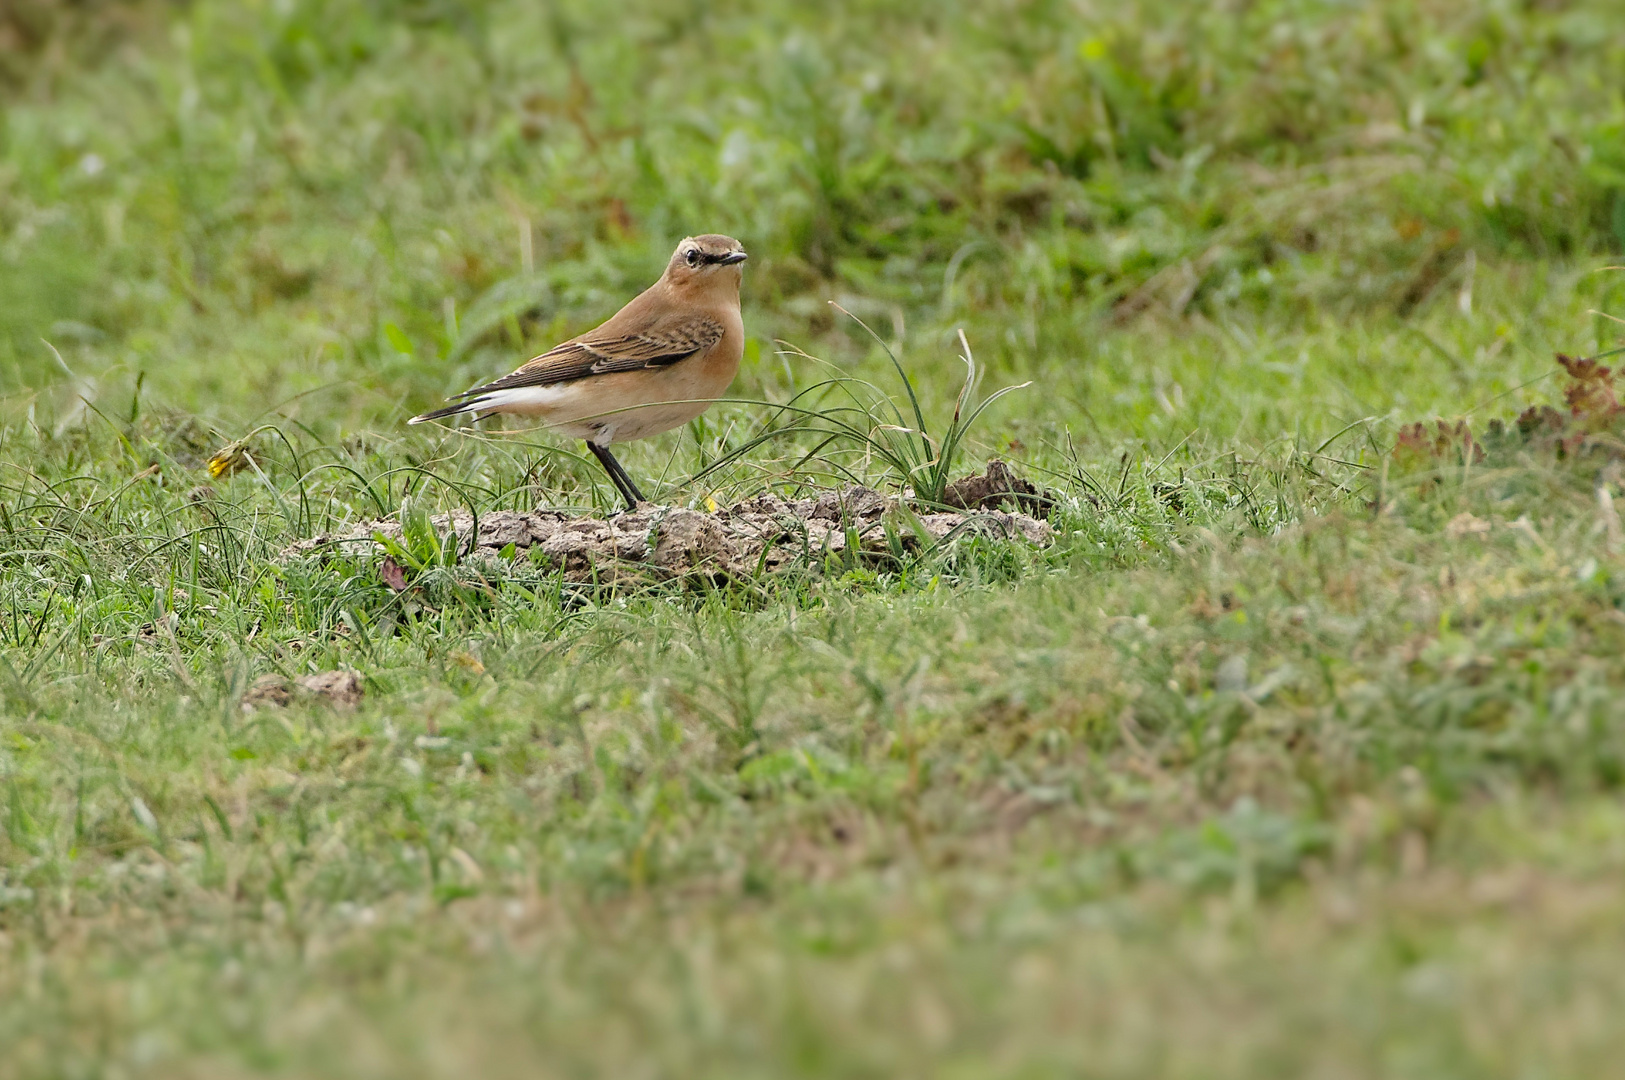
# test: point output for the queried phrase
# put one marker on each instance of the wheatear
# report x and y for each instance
(656, 364)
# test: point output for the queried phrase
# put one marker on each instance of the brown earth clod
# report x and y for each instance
(338, 688)
(998, 488)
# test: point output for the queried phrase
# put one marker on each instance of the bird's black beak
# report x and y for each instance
(733, 258)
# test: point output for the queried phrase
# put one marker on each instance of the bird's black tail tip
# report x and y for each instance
(439, 414)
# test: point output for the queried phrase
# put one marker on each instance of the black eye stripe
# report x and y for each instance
(696, 257)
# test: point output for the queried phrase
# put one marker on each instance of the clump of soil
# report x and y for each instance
(340, 688)
(998, 487)
(763, 533)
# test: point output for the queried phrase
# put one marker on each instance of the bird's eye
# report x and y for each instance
(693, 256)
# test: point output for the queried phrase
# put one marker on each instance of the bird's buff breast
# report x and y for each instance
(631, 405)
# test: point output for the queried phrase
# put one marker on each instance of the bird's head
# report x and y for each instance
(703, 262)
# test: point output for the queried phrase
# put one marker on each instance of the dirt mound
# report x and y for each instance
(997, 488)
(764, 533)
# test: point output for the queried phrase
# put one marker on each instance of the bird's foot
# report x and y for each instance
(643, 505)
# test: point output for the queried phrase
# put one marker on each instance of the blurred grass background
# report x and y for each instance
(236, 200)
(1290, 757)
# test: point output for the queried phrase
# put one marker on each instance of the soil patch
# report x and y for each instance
(763, 533)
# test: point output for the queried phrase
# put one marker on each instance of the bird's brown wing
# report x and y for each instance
(666, 342)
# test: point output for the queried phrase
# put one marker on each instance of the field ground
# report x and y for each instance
(1298, 753)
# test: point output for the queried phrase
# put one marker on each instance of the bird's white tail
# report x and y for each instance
(523, 400)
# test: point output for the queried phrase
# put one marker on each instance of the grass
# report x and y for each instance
(1299, 752)
(866, 421)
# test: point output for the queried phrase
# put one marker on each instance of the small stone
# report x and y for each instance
(1231, 676)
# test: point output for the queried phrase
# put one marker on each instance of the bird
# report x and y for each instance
(654, 365)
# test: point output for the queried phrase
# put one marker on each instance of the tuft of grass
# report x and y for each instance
(926, 464)
(872, 427)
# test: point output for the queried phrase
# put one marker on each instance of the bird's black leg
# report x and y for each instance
(617, 476)
(627, 486)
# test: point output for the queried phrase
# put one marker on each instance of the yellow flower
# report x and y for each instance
(228, 460)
